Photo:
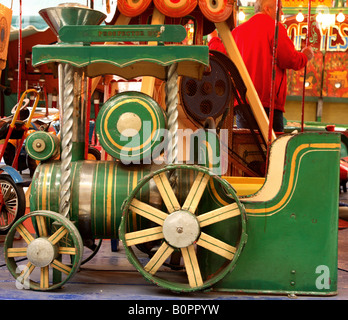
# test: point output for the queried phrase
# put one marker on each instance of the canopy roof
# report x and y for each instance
(127, 61)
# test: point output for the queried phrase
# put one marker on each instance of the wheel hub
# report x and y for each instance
(129, 124)
(41, 252)
(181, 229)
(39, 145)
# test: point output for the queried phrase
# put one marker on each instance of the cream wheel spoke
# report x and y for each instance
(67, 250)
(217, 246)
(218, 215)
(28, 269)
(41, 226)
(161, 255)
(23, 231)
(196, 192)
(61, 266)
(16, 252)
(59, 234)
(148, 211)
(137, 237)
(191, 265)
(44, 277)
(167, 192)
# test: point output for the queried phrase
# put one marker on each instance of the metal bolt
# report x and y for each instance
(179, 229)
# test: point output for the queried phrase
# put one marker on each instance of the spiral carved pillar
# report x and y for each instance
(171, 100)
(72, 133)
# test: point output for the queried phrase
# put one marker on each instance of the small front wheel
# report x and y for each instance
(53, 253)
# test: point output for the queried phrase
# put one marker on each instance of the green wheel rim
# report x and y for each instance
(53, 234)
(129, 126)
(195, 280)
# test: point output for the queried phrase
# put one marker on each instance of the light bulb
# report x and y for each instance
(340, 17)
(299, 17)
(319, 17)
(241, 16)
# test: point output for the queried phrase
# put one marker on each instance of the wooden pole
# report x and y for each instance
(121, 20)
(148, 83)
(273, 81)
(251, 94)
(305, 68)
(19, 82)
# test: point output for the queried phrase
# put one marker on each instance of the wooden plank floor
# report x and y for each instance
(109, 276)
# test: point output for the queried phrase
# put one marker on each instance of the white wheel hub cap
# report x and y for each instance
(181, 229)
(41, 252)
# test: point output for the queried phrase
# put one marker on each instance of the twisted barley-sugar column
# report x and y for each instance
(171, 100)
(67, 73)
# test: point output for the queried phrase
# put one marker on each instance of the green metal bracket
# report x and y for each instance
(161, 33)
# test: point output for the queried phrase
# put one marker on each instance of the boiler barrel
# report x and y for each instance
(98, 191)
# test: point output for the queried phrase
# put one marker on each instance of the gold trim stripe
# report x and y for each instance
(67, 250)
(41, 225)
(44, 278)
(108, 197)
(159, 257)
(16, 252)
(146, 235)
(29, 268)
(292, 183)
(166, 191)
(25, 233)
(192, 268)
(196, 192)
(148, 211)
(59, 234)
(217, 246)
(61, 267)
(106, 121)
(218, 215)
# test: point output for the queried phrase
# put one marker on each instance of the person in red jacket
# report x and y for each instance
(254, 39)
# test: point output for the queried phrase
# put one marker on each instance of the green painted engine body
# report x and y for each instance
(292, 232)
(98, 191)
(291, 222)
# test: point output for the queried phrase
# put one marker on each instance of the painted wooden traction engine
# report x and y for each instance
(182, 225)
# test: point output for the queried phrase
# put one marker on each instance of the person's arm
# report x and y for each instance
(287, 56)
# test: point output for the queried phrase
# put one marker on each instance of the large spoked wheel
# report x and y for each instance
(191, 223)
(12, 203)
(49, 257)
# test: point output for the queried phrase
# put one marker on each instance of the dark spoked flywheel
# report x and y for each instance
(210, 96)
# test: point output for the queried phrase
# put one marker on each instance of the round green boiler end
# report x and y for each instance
(41, 145)
(130, 126)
